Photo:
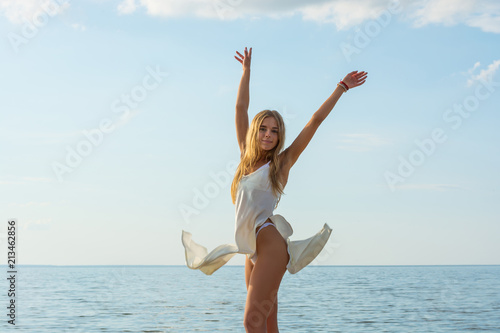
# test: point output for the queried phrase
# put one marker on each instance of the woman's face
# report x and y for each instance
(268, 133)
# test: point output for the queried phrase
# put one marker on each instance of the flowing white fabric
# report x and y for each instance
(255, 203)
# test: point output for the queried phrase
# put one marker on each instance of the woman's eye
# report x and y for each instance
(275, 131)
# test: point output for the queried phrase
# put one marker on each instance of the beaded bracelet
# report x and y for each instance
(343, 85)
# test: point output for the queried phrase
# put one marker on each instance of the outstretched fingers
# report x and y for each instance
(362, 78)
(359, 78)
(240, 59)
(247, 55)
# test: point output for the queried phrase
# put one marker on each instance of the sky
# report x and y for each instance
(118, 132)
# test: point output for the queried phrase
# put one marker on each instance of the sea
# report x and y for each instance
(316, 299)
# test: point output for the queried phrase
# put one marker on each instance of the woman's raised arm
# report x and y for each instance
(243, 99)
(293, 152)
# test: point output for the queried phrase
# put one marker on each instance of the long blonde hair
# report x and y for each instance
(253, 152)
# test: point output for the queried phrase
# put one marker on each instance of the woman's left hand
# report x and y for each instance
(354, 79)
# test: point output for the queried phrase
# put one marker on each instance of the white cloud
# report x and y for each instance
(40, 224)
(485, 74)
(170, 8)
(79, 27)
(18, 11)
(483, 14)
(360, 142)
(447, 12)
(344, 13)
(127, 7)
(487, 22)
(476, 65)
(14, 10)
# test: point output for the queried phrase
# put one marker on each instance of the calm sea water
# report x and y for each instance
(317, 299)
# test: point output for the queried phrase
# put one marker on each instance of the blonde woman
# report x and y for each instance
(256, 190)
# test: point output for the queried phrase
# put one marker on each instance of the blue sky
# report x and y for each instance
(117, 126)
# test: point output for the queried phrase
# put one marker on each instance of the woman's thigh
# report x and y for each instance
(248, 270)
(266, 276)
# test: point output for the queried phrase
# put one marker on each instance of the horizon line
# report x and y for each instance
(118, 265)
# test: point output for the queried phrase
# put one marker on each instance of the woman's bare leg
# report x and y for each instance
(248, 270)
(265, 279)
(272, 320)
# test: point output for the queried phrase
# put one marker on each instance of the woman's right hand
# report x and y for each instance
(245, 59)
(354, 79)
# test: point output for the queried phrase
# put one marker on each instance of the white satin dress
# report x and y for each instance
(255, 203)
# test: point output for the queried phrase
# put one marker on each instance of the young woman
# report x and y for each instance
(256, 191)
